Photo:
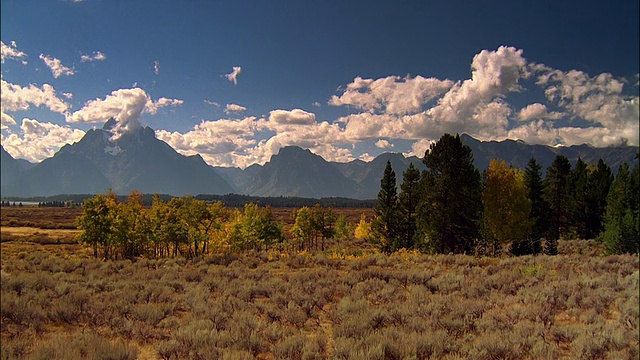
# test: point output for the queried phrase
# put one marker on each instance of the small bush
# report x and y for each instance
(88, 345)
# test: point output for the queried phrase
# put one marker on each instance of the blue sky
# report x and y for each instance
(346, 79)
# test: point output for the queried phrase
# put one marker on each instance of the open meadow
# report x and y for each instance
(348, 302)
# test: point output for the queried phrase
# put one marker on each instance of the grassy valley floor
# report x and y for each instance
(346, 303)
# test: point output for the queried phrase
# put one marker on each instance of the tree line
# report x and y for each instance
(181, 226)
(58, 203)
(9, 203)
(229, 200)
(452, 208)
(190, 227)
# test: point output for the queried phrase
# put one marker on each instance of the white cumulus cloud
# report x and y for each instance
(419, 148)
(11, 52)
(154, 106)
(234, 108)
(292, 117)
(14, 97)
(415, 108)
(39, 140)
(383, 144)
(538, 111)
(6, 120)
(233, 76)
(391, 94)
(220, 142)
(95, 56)
(366, 157)
(57, 69)
(126, 106)
(598, 99)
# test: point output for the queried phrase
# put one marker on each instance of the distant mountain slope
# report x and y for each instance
(136, 161)
(518, 153)
(297, 172)
(66, 173)
(368, 174)
(238, 178)
(10, 168)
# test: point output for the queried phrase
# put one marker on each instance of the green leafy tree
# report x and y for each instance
(213, 223)
(233, 237)
(198, 221)
(621, 217)
(556, 194)
(323, 221)
(539, 211)
(157, 215)
(506, 206)
(302, 230)
(343, 228)
(174, 230)
(408, 206)
(386, 221)
(130, 226)
(96, 221)
(270, 228)
(259, 228)
(451, 206)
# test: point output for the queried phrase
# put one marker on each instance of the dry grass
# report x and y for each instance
(38, 236)
(346, 303)
(295, 306)
(39, 217)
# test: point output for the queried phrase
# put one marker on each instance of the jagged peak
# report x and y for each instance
(110, 124)
(293, 149)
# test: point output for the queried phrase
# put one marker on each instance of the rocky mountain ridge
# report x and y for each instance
(139, 161)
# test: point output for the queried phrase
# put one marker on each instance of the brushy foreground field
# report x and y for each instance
(57, 303)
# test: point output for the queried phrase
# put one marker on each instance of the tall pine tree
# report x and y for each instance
(600, 179)
(408, 205)
(557, 196)
(451, 206)
(578, 189)
(621, 217)
(385, 225)
(539, 210)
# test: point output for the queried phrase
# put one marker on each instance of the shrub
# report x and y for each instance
(89, 345)
(289, 347)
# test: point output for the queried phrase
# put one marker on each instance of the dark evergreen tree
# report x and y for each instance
(451, 206)
(600, 179)
(385, 224)
(621, 217)
(557, 196)
(408, 205)
(539, 211)
(578, 189)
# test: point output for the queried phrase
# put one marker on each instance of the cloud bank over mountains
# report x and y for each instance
(572, 108)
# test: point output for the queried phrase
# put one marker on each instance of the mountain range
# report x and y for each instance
(137, 160)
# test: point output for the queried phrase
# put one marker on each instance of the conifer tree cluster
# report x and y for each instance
(452, 208)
